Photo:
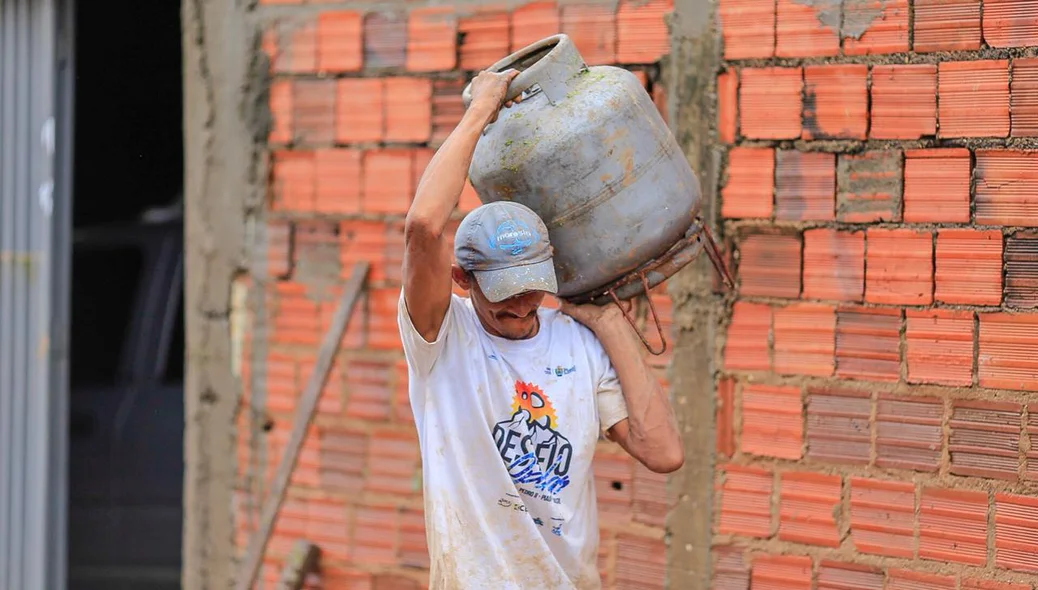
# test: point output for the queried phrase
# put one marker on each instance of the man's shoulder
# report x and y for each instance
(461, 305)
(457, 303)
(571, 328)
(463, 315)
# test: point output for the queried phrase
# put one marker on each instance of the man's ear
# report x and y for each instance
(462, 278)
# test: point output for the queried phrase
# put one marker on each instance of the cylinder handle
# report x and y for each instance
(546, 64)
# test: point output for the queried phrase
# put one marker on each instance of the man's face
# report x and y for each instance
(514, 318)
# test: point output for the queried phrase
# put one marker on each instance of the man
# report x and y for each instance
(509, 398)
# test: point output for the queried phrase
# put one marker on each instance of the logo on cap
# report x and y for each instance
(513, 236)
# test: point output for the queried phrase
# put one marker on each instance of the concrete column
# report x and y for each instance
(225, 128)
(690, 74)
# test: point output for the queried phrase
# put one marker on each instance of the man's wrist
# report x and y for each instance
(611, 320)
(481, 112)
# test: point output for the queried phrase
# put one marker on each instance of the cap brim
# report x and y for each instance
(498, 285)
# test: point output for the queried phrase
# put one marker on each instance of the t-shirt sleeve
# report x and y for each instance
(612, 407)
(421, 355)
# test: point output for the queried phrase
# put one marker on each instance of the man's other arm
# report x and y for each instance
(427, 255)
(650, 432)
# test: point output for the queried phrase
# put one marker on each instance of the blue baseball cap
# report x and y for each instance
(505, 245)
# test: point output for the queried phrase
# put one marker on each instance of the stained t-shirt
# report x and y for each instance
(508, 430)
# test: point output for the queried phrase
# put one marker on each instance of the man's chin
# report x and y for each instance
(517, 328)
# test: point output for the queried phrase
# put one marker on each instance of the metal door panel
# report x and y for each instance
(31, 460)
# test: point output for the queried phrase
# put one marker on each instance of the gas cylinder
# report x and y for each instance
(587, 150)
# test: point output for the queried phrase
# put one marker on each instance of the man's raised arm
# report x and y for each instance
(427, 257)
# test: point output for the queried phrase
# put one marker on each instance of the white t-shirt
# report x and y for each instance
(507, 430)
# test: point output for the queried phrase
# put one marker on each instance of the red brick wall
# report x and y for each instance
(359, 103)
(876, 408)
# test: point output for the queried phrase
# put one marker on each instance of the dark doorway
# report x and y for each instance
(127, 328)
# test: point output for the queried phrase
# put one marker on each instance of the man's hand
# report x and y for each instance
(489, 90)
(593, 316)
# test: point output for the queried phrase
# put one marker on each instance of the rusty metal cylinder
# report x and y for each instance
(587, 150)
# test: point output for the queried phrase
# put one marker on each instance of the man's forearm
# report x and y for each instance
(440, 186)
(653, 427)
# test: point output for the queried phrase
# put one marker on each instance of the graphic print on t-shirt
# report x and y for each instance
(537, 455)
